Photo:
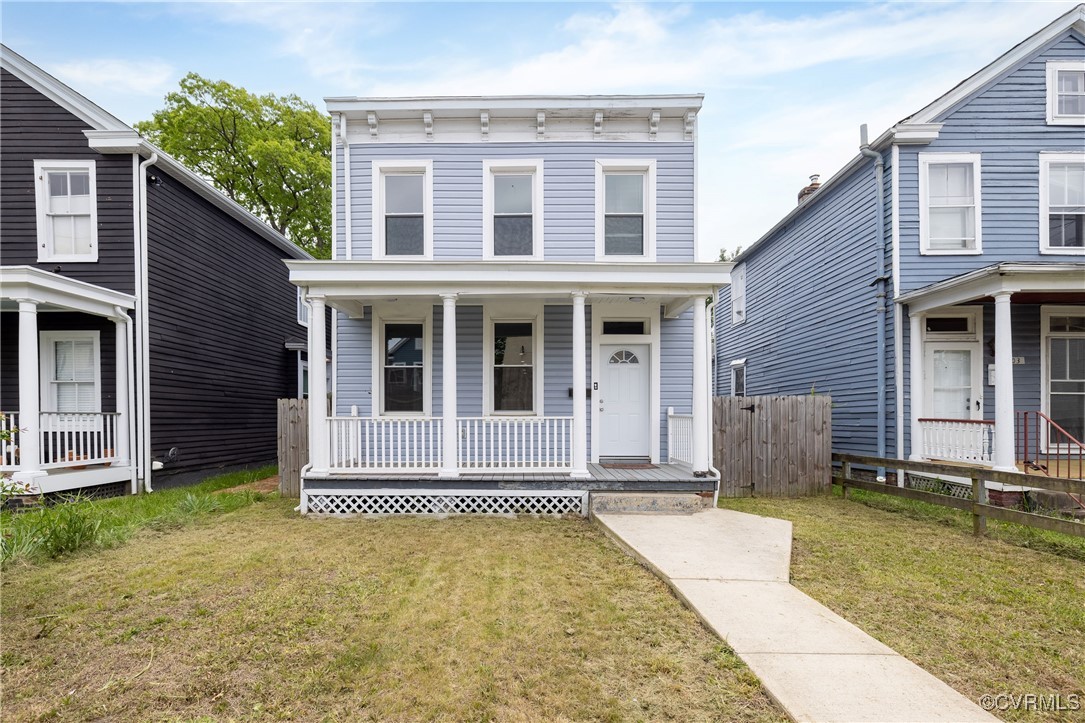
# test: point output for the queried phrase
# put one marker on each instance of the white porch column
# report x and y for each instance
(29, 401)
(915, 383)
(122, 443)
(580, 409)
(450, 463)
(1004, 442)
(701, 420)
(318, 387)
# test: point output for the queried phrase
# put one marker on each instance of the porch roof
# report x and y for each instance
(1012, 277)
(56, 292)
(347, 284)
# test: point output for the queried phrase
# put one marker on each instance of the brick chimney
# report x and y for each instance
(815, 184)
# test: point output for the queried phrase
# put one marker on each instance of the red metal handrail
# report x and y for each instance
(1053, 452)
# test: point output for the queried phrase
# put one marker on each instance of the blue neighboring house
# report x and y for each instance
(935, 286)
(518, 315)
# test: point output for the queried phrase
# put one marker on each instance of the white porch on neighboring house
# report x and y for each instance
(1036, 341)
(453, 448)
(60, 437)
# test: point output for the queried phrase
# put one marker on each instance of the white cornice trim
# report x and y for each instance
(44, 287)
(528, 104)
(1006, 277)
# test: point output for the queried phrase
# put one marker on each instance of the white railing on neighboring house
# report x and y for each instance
(386, 444)
(958, 440)
(679, 437)
(9, 422)
(527, 443)
(70, 439)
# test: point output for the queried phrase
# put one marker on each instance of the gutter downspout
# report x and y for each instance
(879, 282)
(131, 411)
(143, 360)
(712, 387)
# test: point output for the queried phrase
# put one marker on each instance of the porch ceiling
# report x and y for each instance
(54, 292)
(1055, 281)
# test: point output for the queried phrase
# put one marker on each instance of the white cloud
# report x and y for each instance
(134, 77)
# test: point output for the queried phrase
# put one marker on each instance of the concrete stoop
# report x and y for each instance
(675, 503)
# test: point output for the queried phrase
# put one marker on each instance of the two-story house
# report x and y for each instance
(935, 286)
(519, 317)
(144, 317)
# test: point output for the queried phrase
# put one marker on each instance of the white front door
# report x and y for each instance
(954, 381)
(624, 400)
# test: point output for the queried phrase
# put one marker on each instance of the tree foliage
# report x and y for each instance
(270, 154)
(726, 255)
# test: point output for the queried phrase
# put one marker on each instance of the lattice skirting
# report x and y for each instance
(949, 488)
(445, 502)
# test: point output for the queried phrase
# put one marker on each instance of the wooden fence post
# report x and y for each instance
(845, 471)
(979, 497)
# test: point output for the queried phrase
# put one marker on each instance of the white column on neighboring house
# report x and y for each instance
(450, 463)
(915, 382)
(580, 401)
(318, 387)
(1004, 443)
(701, 421)
(29, 406)
(121, 443)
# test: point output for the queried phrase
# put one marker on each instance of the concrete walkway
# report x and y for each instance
(732, 569)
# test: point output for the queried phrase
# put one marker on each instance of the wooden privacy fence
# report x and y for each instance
(976, 503)
(772, 446)
(293, 444)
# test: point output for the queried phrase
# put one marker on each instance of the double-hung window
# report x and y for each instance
(67, 214)
(514, 367)
(513, 209)
(1062, 203)
(738, 378)
(402, 209)
(70, 371)
(625, 203)
(404, 362)
(950, 218)
(1066, 92)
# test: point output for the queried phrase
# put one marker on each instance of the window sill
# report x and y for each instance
(80, 259)
(950, 252)
(1062, 251)
(1066, 121)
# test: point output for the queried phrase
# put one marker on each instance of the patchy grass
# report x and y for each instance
(259, 614)
(66, 528)
(985, 616)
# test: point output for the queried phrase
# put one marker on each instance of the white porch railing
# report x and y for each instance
(679, 437)
(71, 439)
(387, 444)
(527, 443)
(958, 440)
(9, 422)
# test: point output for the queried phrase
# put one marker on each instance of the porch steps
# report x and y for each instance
(648, 502)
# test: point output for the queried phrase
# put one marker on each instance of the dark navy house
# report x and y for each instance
(935, 286)
(145, 319)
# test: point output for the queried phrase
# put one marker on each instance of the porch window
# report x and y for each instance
(1066, 92)
(514, 367)
(949, 211)
(625, 209)
(71, 371)
(404, 363)
(1066, 370)
(402, 209)
(67, 215)
(1062, 203)
(512, 206)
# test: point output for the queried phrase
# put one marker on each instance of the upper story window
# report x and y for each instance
(402, 209)
(67, 213)
(625, 201)
(1062, 203)
(303, 309)
(738, 294)
(71, 371)
(1066, 92)
(513, 209)
(950, 216)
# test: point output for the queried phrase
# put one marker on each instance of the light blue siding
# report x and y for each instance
(354, 364)
(568, 189)
(675, 372)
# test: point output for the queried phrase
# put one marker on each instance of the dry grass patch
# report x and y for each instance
(258, 614)
(983, 615)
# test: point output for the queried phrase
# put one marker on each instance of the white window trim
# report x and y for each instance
(1046, 312)
(512, 312)
(926, 160)
(738, 294)
(1046, 159)
(303, 308)
(736, 365)
(643, 165)
(403, 313)
(974, 314)
(1053, 116)
(41, 199)
(382, 168)
(47, 356)
(517, 166)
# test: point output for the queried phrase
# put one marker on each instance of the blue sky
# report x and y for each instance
(786, 84)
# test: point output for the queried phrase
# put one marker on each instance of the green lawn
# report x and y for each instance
(987, 616)
(257, 614)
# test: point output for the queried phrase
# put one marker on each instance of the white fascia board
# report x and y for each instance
(1012, 277)
(58, 92)
(33, 284)
(1074, 19)
(514, 103)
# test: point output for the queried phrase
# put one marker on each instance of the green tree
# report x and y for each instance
(726, 255)
(270, 154)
